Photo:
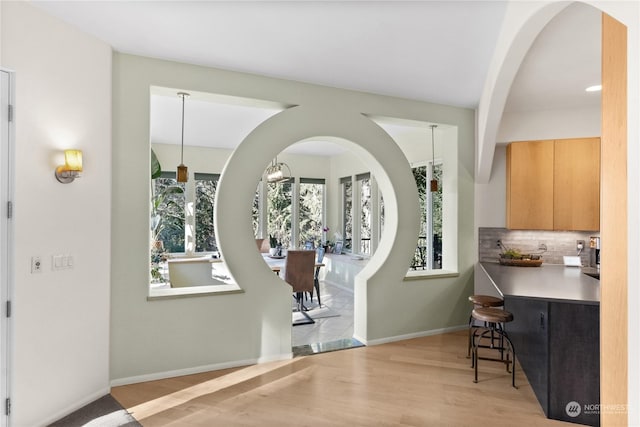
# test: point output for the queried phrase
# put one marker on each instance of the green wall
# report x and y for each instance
(153, 339)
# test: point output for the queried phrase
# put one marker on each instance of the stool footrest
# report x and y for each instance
(493, 359)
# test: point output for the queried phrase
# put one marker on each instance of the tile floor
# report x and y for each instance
(329, 329)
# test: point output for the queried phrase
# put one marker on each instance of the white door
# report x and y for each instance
(6, 243)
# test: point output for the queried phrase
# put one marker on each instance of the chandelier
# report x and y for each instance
(276, 171)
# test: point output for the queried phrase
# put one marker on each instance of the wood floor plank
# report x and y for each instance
(418, 382)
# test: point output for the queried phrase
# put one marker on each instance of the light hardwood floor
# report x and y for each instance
(418, 382)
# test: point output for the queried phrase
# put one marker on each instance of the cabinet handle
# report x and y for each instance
(542, 321)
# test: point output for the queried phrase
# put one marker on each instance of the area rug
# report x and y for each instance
(315, 313)
(104, 412)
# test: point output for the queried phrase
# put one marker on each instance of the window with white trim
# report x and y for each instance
(364, 187)
(206, 185)
(428, 253)
(278, 202)
(346, 188)
(311, 211)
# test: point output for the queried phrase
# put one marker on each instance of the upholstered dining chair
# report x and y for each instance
(263, 245)
(298, 272)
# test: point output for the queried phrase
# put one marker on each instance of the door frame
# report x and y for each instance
(7, 163)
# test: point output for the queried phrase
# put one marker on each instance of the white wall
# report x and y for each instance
(61, 321)
(491, 198)
(345, 164)
(549, 124)
(212, 160)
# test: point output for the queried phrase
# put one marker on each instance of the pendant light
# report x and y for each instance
(182, 174)
(276, 171)
(434, 182)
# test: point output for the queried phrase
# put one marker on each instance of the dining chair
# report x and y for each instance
(298, 272)
(263, 245)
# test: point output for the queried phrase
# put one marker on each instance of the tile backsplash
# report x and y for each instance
(558, 243)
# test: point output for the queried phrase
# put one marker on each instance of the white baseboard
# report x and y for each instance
(285, 356)
(411, 335)
(197, 369)
(77, 405)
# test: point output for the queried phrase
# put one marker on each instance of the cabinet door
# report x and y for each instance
(576, 184)
(529, 333)
(530, 185)
(574, 361)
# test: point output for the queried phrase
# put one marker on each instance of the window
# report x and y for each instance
(206, 185)
(170, 221)
(428, 254)
(347, 211)
(168, 213)
(279, 211)
(311, 210)
(364, 186)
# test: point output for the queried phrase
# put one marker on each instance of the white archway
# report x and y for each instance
(237, 187)
(526, 21)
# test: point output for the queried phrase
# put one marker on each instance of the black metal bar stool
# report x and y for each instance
(478, 302)
(494, 319)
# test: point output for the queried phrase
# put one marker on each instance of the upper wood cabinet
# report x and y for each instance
(530, 185)
(554, 184)
(576, 184)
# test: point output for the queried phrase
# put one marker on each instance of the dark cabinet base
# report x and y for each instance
(557, 345)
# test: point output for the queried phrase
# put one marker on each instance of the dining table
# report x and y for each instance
(278, 263)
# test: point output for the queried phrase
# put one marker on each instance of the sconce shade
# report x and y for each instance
(73, 159)
(72, 166)
(182, 174)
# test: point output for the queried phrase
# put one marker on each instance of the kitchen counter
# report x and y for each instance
(556, 335)
(549, 282)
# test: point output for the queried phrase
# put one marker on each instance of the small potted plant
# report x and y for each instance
(275, 246)
(327, 243)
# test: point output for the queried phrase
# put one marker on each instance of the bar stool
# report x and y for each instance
(478, 302)
(494, 319)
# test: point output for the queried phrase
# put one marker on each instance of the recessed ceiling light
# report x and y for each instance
(595, 88)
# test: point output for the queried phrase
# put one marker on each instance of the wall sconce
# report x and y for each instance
(72, 166)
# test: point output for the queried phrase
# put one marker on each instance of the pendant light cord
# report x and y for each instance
(182, 139)
(433, 150)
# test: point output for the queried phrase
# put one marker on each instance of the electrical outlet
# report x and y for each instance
(542, 246)
(579, 245)
(499, 243)
(36, 264)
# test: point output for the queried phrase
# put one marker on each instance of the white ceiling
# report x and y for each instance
(562, 62)
(434, 51)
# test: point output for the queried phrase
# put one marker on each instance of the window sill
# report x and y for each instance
(193, 291)
(429, 274)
